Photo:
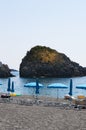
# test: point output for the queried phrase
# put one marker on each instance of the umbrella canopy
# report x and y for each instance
(82, 86)
(9, 84)
(12, 90)
(32, 84)
(71, 87)
(58, 86)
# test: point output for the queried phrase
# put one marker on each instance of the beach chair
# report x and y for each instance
(81, 97)
(80, 103)
(5, 97)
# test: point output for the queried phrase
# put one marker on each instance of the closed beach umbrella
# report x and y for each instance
(70, 87)
(37, 87)
(57, 86)
(12, 90)
(9, 84)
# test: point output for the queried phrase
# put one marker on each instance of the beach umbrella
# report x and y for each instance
(57, 86)
(12, 90)
(82, 86)
(35, 85)
(71, 87)
(9, 84)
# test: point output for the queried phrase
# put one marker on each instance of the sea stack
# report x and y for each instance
(43, 61)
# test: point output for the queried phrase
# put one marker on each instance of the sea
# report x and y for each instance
(44, 91)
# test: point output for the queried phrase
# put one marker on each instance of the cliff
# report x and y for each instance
(4, 71)
(44, 61)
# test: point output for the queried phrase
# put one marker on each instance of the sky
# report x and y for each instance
(58, 24)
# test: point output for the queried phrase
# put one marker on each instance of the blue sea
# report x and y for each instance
(44, 91)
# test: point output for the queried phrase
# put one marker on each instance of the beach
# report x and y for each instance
(20, 116)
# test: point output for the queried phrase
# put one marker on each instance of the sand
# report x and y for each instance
(19, 116)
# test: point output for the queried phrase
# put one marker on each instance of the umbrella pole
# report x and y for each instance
(57, 93)
(36, 98)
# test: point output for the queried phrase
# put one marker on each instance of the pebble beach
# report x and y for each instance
(16, 115)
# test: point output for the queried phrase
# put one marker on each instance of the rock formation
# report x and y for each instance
(4, 71)
(44, 61)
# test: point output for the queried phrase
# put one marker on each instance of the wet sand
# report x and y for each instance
(14, 116)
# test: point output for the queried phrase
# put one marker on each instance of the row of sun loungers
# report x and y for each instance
(79, 101)
(67, 103)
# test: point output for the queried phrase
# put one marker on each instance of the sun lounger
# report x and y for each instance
(5, 96)
(81, 97)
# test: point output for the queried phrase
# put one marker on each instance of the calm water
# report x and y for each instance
(20, 89)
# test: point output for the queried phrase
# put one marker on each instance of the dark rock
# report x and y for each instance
(4, 71)
(44, 61)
